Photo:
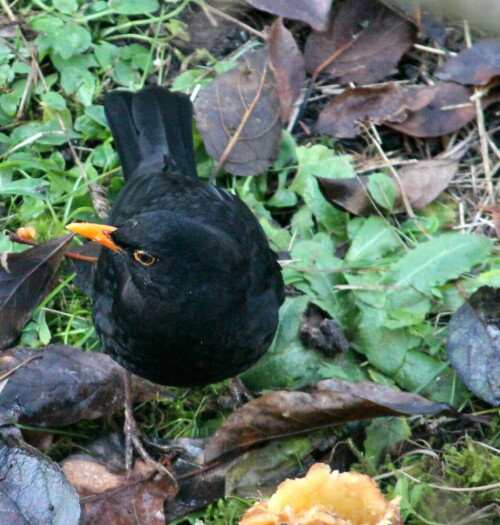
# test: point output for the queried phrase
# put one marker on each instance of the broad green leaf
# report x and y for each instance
(134, 7)
(382, 189)
(320, 160)
(439, 260)
(374, 240)
(32, 187)
(54, 100)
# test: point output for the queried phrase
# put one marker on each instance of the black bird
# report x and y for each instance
(188, 292)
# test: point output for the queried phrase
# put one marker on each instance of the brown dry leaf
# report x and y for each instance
(389, 102)
(25, 280)
(62, 385)
(363, 43)
(450, 109)
(476, 65)
(422, 182)
(288, 66)
(119, 498)
(312, 12)
(329, 402)
(238, 116)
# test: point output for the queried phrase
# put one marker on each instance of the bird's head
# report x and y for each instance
(151, 245)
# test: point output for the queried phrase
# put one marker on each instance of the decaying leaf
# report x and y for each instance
(62, 385)
(450, 109)
(312, 12)
(84, 270)
(473, 343)
(25, 280)
(120, 498)
(421, 181)
(495, 212)
(288, 66)
(326, 498)
(373, 104)
(238, 116)
(328, 402)
(33, 488)
(363, 43)
(476, 65)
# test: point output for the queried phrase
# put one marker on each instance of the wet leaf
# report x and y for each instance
(61, 385)
(329, 402)
(476, 65)
(120, 498)
(392, 102)
(288, 66)
(33, 488)
(422, 182)
(238, 116)
(363, 43)
(25, 280)
(473, 343)
(450, 109)
(312, 12)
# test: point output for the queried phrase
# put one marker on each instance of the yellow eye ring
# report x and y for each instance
(145, 258)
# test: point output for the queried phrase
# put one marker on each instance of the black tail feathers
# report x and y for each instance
(149, 126)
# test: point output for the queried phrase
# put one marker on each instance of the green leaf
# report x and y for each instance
(383, 433)
(382, 189)
(373, 240)
(287, 364)
(320, 160)
(54, 100)
(30, 187)
(66, 6)
(133, 7)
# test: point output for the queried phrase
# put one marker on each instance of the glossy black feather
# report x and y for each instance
(207, 309)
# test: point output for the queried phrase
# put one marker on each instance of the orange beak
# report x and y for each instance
(96, 232)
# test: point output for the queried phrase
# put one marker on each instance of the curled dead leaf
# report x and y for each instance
(288, 66)
(421, 181)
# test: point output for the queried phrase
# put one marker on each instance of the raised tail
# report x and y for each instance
(150, 126)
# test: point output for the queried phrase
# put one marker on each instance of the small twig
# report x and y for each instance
(17, 367)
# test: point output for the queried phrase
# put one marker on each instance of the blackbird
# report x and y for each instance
(188, 291)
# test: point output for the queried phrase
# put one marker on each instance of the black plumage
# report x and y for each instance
(190, 291)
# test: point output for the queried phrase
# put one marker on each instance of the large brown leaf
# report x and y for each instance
(421, 181)
(59, 385)
(238, 115)
(312, 12)
(363, 43)
(33, 490)
(288, 66)
(330, 402)
(25, 280)
(476, 65)
(473, 343)
(340, 117)
(450, 110)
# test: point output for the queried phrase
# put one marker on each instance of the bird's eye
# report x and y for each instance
(145, 258)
